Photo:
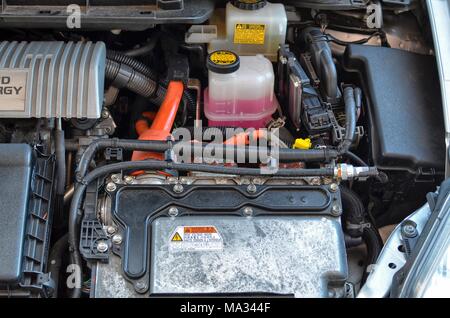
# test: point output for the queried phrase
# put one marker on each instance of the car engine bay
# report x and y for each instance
(228, 148)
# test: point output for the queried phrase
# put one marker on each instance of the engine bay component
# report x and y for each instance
(26, 187)
(104, 14)
(51, 79)
(163, 121)
(294, 86)
(254, 154)
(232, 232)
(301, 264)
(240, 91)
(404, 106)
(322, 60)
(14, 210)
(251, 27)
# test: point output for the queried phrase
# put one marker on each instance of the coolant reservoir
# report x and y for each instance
(252, 27)
(240, 90)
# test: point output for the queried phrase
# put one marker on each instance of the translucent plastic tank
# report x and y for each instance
(240, 93)
(252, 27)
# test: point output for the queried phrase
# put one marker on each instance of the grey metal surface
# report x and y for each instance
(269, 254)
(379, 281)
(52, 79)
(108, 281)
(15, 177)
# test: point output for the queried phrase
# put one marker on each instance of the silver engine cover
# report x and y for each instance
(51, 79)
(286, 255)
(301, 256)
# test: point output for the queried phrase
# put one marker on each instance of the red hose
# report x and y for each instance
(163, 122)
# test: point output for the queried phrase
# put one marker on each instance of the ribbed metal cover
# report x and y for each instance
(51, 79)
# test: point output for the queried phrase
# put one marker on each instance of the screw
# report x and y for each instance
(173, 211)
(111, 230)
(129, 180)
(141, 286)
(251, 188)
(334, 187)
(115, 178)
(409, 230)
(111, 187)
(117, 239)
(178, 188)
(105, 114)
(336, 210)
(248, 211)
(102, 246)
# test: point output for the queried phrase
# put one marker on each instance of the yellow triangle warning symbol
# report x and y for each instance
(176, 237)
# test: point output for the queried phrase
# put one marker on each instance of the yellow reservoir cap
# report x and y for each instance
(301, 143)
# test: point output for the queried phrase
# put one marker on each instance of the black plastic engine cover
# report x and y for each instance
(405, 109)
(26, 209)
(15, 176)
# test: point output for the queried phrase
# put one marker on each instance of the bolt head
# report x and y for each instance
(336, 210)
(117, 239)
(409, 230)
(129, 180)
(248, 211)
(334, 187)
(173, 211)
(105, 114)
(115, 178)
(111, 187)
(178, 188)
(251, 188)
(141, 286)
(102, 246)
(111, 230)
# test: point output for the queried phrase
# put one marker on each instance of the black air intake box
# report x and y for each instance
(404, 104)
(26, 184)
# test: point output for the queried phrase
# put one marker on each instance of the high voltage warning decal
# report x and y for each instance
(246, 33)
(195, 238)
(176, 237)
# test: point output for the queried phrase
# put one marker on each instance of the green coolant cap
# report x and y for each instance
(222, 62)
(249, 4)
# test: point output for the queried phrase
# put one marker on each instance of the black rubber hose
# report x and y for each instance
(56, 259)
(358, 97)
(124, 76)
(60, 151)
(374, 246)
(350, 116)
(354, 212)
(133, 63)
(357, 225)
(146, 48)
(145, 70)
(166, 165)
(357, 160)
(284, 154)
(74, 221)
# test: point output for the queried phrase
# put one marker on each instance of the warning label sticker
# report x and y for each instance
(245, 33)
(195, 238)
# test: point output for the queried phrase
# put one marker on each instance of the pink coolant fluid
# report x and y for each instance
(237, 113)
